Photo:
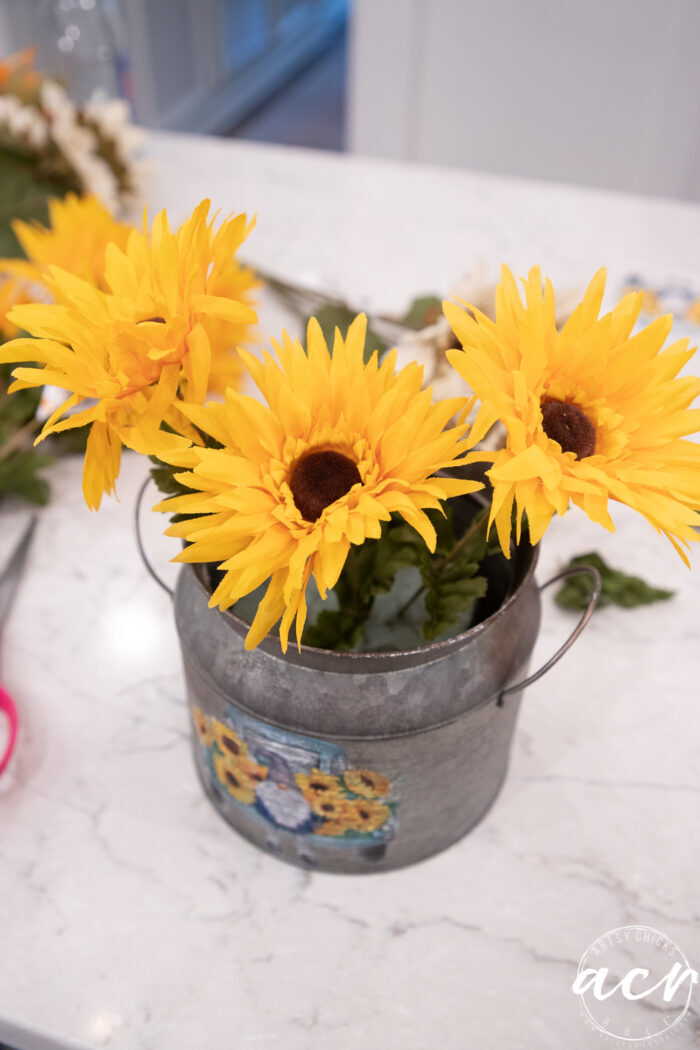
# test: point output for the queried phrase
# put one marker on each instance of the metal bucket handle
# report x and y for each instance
(139, 540)
(597, 585)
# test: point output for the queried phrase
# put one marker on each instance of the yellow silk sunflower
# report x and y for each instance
(76, 240)
(12, 293)
(592, 412)
(139, 349)
(191, 282)
(340, 446)
(237, 282)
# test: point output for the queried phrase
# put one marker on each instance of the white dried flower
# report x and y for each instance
(56, 102)
(479, 289)
(80, 143)
(38, 131)
(23, 122)
(112, 118)
(80, 146)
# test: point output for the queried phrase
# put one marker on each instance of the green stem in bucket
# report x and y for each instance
(439, 567)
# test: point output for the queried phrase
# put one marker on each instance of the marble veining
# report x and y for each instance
(131, 917)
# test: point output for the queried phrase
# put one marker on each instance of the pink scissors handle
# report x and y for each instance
(7, 705)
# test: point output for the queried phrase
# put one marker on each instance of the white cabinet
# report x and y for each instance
(596, 92)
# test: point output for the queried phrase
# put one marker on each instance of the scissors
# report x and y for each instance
(8, 585)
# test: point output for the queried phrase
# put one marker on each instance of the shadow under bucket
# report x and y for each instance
(358, 762)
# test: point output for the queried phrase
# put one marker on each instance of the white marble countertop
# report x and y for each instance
(132, 917)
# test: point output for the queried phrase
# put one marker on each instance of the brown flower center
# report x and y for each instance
(231, 745)
(319, 479)
(565, 422)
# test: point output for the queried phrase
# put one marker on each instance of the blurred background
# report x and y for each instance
(602, 93)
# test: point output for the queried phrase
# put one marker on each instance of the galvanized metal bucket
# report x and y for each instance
(359, 762)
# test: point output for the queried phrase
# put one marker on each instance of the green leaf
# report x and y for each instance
(451, 576)
(424, 310)
(618, 587)
(24, 193)
(164, 477)
(19, 476)
(332, 317)
(335, 629)
(20, 465)
(393, 588)
(370, 570)
(70, 442)
(20, 407)
(385, 557)
(447, 603)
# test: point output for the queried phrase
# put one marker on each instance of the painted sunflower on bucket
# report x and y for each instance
(342, 500)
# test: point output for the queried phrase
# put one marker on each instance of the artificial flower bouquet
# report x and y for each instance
(329, 503)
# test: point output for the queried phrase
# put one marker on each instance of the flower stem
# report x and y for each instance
(303, 300)
(440, 566)
(472, 531)
(16, 440)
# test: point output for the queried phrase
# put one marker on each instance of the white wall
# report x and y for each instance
(597, 92)
(16, 18)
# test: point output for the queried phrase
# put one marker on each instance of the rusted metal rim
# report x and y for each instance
(367, 663)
